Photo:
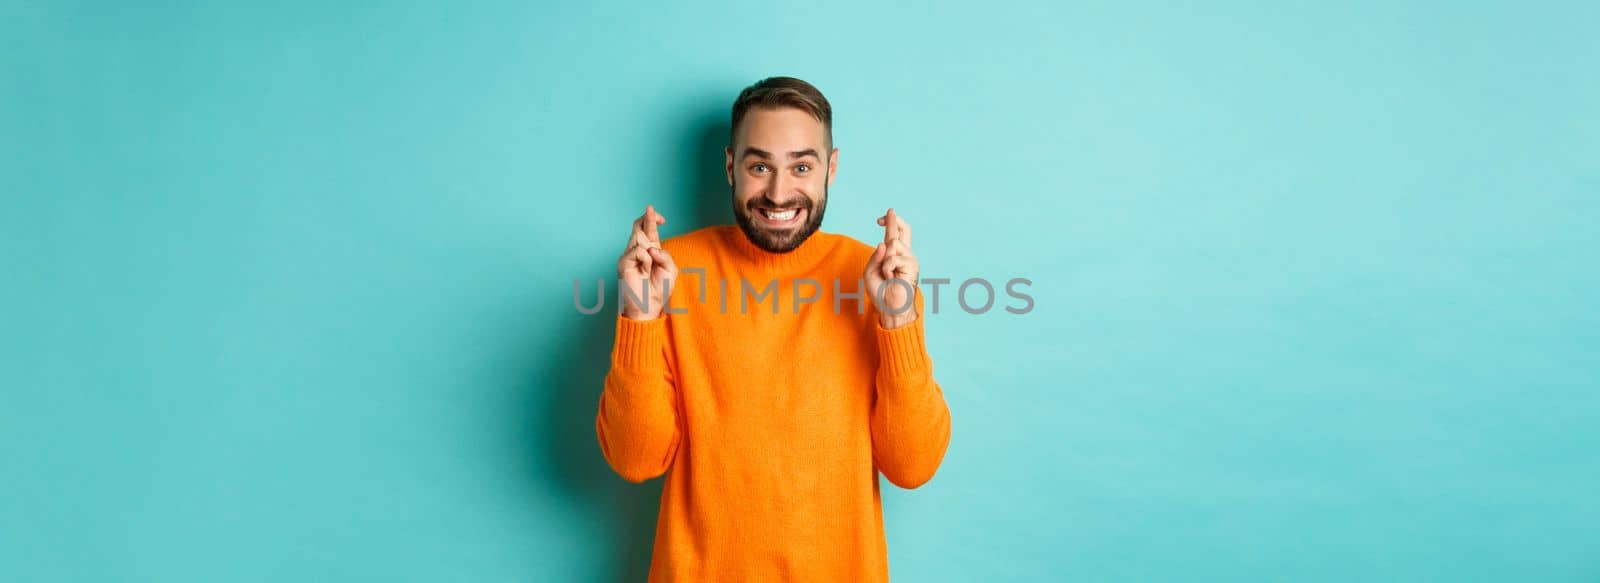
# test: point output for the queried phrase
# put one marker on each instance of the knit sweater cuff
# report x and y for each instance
(901, 351)
(640, 344)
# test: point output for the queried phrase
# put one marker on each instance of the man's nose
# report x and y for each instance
(782, 192)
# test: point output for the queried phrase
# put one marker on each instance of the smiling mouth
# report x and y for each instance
(780, 218)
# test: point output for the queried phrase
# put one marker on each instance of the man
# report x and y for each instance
(772, 424)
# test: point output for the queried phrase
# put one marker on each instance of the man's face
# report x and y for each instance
(780, 167)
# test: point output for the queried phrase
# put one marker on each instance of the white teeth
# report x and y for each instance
(783, 216)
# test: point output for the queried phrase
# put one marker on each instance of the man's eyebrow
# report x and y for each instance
(760, 153)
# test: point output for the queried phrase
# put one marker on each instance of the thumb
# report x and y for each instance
(875, 259)
(638, 260)
(664, 261)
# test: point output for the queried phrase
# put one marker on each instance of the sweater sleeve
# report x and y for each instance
(910, 420)
(638, 419)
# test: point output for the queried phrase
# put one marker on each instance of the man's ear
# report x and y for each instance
(833, 165)
(727, 164)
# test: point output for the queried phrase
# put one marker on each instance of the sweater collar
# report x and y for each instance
(807, 255)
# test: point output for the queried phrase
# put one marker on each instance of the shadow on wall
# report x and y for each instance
(704, 190)
(576, 371)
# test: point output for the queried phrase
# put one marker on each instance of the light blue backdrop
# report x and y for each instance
(287, 286)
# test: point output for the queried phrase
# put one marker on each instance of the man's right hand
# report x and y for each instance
(645, 261)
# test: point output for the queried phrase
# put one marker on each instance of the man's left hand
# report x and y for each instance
(893, 260)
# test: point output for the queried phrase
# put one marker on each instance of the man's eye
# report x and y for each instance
(759, 168)
(803, 168)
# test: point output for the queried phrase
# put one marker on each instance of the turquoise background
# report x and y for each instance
(288, 286)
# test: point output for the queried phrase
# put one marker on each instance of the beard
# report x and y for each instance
(779, 241)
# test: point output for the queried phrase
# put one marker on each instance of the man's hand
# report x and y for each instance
(890, 261)
(645, 261)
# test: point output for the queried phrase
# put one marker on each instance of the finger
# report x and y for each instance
(640, 240)
(636, 259)
(646, 263)
(663, 260)
(903, 267)
(651, 220)
(874, 259)
(890, 229)
(636, 227)
(896, 248)
(895, 227)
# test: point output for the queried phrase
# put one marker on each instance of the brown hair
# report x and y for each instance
(783, 92)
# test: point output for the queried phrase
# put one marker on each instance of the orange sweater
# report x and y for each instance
(771, 427)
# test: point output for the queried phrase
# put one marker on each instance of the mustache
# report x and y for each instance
(763, 202)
